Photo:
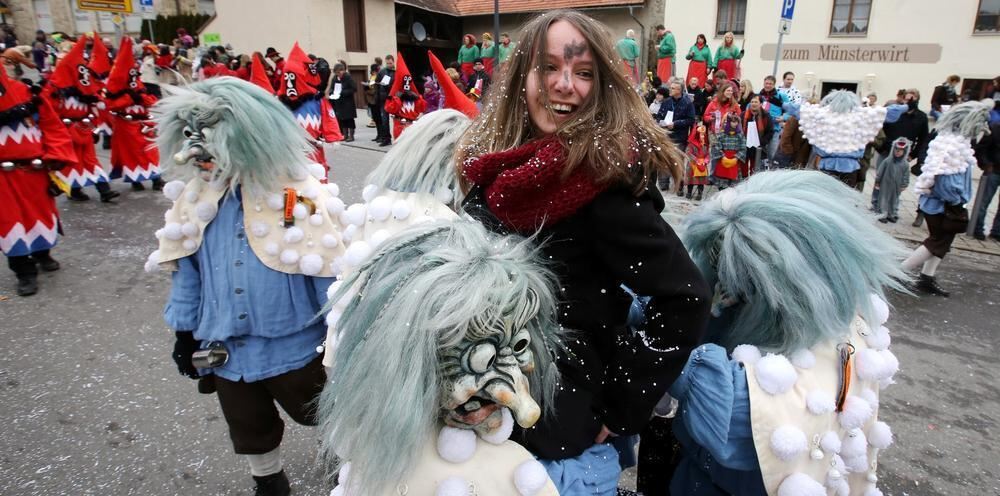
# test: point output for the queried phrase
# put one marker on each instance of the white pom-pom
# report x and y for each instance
(259, 229)
(158, 234)
(300, 173)
(444, 195)
(316, 219)
(337, 266)
(317, 171)
(329, 241)
(453, 486)
(379, 237)
(880, 309)
(275, 201)
(173, 190)
(879, 339)
(422, 219)
(884, 383)
(289, 257)
(172, 231)
(206, 211)
(803, 359)
(857, 464)
(151, 266)
(191, 196)
(854, 444)
(868, 364)
(775, 374)
(456, 445)
(856, 412)
(311, 264)
(400, 209)
(349, 232)
(890, 364)
(380, 208)
(503, 432)
(333, 288)
(870, 396)
(788, 442)
(189, 244)
(335, 206)
(311, 192)
(332, 317)
(357, 253)
(344, 474)
(355, 214)
(747, 354)
(871, 490)
(294, 235)
(530, 477)
(880, 435)
(190, 229)
(332, 188)
(837, 484)
(799, 484)
(154, 256)
(369, 192)
(272, 249)
(300, 211)
(820, 402)
(830, 442)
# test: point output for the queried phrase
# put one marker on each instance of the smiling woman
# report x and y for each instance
(565, 149)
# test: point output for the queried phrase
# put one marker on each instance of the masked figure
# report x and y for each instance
(463, 322)
(248, 199)
(839, 128)
(404, 104)
(134, 157)
(32, 142)
(75, 92)
(100, 67)
(298, 91)
(785, 401)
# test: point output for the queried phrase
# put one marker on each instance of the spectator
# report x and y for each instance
(676, 114)
(700, 57)
(183, 64)
(871, 100)
(488, 53)
(988, 159)
(9, 38)
(479, 81)
(912, 125)
(654, 85)
(40, 49)
(666, 50)
(727, 54)
(773, 101)
(727, 143)
(456, 78)
(382, 86)
(432, 95)
(370, 87)
(342, 95)
(467, 56)
(759, 132)
(945, 95)
(13, 58)
(659, 95)
(278, 64)
(628, 51)
(698, 97)
(185, 38)
(793, 150)
(506, 47)
(746, 92)
(789, 89)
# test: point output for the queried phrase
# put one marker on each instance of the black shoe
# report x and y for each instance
(377, 139)
(928, 284)
(995, 237)
(689, 195)
(77, 194)
(894, 219)
(272, 485)
(697, 197)
(137, 186)
(107, 196)
(157, 184)
(48, 264)
(979, 236)
(919, 221)
(27, 285)
(680, 192)
(884, 220)
(385, 142)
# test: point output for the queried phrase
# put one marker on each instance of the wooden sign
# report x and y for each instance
(105, 5)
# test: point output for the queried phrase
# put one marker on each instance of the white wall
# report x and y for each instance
(948, 23)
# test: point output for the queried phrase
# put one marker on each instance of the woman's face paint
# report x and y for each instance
(567, 72)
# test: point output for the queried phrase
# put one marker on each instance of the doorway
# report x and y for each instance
(828, 86)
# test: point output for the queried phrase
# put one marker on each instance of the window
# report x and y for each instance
(354, 26)
(732, 16)
(988, 17)
(850, 17)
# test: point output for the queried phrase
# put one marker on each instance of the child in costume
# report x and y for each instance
(249, 241)
(785, 399)
(298, 91)
(945, 186)
(461, 321)
(32, 142)
(75, 94)
(839, 128)
(892, 178)
(404, 104)
(698, 160)
(133, 154)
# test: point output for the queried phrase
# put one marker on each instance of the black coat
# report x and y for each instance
(381, 90)
(913, 126)
(611, 376)
(344, 106)
(684, 118)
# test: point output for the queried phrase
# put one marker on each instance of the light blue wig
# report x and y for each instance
(422, 161)
(799, 252)
(841, 101)
(253, 139)
(426, 290)
(969, 119)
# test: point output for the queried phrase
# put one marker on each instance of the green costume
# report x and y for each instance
(668, 47)
(702, 55)
(488, 52)
(505, 51)
(628, 50)
(468, 55)
(731, 52)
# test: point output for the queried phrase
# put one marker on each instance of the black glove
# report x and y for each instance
(184, 347)
(742, 51)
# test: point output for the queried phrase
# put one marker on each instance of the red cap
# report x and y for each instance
(100, 62)
(453, 97)
(124, 75)
(300, 77)
(258, 75)
(72, 72)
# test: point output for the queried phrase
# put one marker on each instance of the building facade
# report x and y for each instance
(28, 16)
(868, 46)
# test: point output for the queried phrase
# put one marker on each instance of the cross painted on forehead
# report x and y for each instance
(573, 49)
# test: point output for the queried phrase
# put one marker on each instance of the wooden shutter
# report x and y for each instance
(354, 25)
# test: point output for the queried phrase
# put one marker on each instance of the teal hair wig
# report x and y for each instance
(841, 101)
(422, 161)
(252, 138)
(425, 291)
(969, 119)
(799, 252)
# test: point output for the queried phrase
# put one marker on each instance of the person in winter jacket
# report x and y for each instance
(342, 89)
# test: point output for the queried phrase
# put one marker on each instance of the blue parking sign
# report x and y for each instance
(787, 9)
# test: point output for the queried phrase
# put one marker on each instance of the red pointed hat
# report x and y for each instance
(403, 80)
(453, 97)
(72, 72)
(12, 92)
(300, 77)
(124, 75)
(100, 62)
(258, 75)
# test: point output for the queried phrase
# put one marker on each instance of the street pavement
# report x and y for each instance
(93, 404)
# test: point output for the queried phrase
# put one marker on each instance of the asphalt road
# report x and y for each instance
(93, 405)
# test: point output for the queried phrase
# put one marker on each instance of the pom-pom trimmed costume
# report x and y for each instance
(134, 157)
(839, 128)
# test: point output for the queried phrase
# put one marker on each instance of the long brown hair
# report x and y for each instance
(612, 132)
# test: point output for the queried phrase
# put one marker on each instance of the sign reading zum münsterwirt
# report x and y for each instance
(899, 53)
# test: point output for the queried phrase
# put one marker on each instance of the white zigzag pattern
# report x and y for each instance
(78, 178)
(135, 110)
(135, 172)
(19, 133)
(17, 233)
(308, 121)
(73, 104)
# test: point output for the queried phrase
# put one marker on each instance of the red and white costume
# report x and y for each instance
(100, 66)
(298, 91)
(134, 157)
(404, 104)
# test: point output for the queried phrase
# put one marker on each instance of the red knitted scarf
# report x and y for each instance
(524, 186)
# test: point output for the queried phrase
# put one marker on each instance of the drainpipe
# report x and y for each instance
(642, 48)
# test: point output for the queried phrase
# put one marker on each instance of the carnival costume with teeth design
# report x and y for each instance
(787, 402)
(839, 128)
(134, 156)
(32, 142)
(404, 104)
(251, 239)
(312, 111)
(100, 66)
(75, 94)
(445, 339)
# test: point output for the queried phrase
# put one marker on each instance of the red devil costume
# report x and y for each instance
(453, 97)
(74, 92)
(133, 155)
(258, 74)
(404, 104)
(313, 112)
(100, 66)
(32, 142)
